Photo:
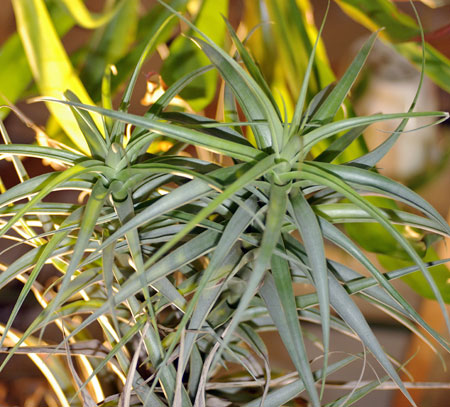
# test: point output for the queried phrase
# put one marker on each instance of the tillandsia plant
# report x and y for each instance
(183, 262)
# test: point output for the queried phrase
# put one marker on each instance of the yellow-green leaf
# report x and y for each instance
(15, 74)
(89, 20)
(50, 65)
(185, 56)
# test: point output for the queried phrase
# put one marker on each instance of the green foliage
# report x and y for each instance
(403, 32)
(185, 56)
(16, 75)
(183, 261)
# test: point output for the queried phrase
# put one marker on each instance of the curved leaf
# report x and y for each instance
(87, 19)
(49, 153)
(184, 134)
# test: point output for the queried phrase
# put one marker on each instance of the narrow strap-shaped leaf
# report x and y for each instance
(352, 315)
(190, 136)
(86, 397)
(340, 145)
(173, 90)
(91, 133)
(251, 97)
(274, 220)
(25, 189)
(182, 255)
(297, 118)
(406, 322)
(48, 250)
(251, 66)
(136, 147)
(230, 110)
(108, 45)
(374, 182)
(286, 322)
(371, 158)
(15, 75)
(400, 31)
(208, 126)
(318, 99)
(23, 176)
(43, 207)
(47, 208)
(178, 197)
(125, 397)
(159, 208)
(131, 84)
(23, 263)
(289, 391)
(328, 109)
(140, 174)
(185, 254)
(313, 173)
(296, 32)
(345, 274)
(185, 56)
(163, 101)
(118, 347)
(308, 226)
(328, 130)
(155, 354)
(84, 18)
(49, 187)
(340, 239)
(374, 156)
(88, 222)
(359, 284)
(108, 278)
(258, 346)
(49, 63)
(49, 153)
(93, 348)
(195, 370)
(347, 212)
(358, 393)
(125, 211)
(107, 101)
(194, 314)
(198, 246)
(385, 186)
(256, 171)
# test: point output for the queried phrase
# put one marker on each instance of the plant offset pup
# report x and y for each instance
(183, 262)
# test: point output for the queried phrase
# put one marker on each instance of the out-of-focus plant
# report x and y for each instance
(183, 261)
(402, 32)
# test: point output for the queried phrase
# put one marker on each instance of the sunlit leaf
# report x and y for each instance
(185, 57)
(15, 75)
(49, 62)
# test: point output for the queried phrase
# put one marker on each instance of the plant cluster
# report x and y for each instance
(183, 261)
